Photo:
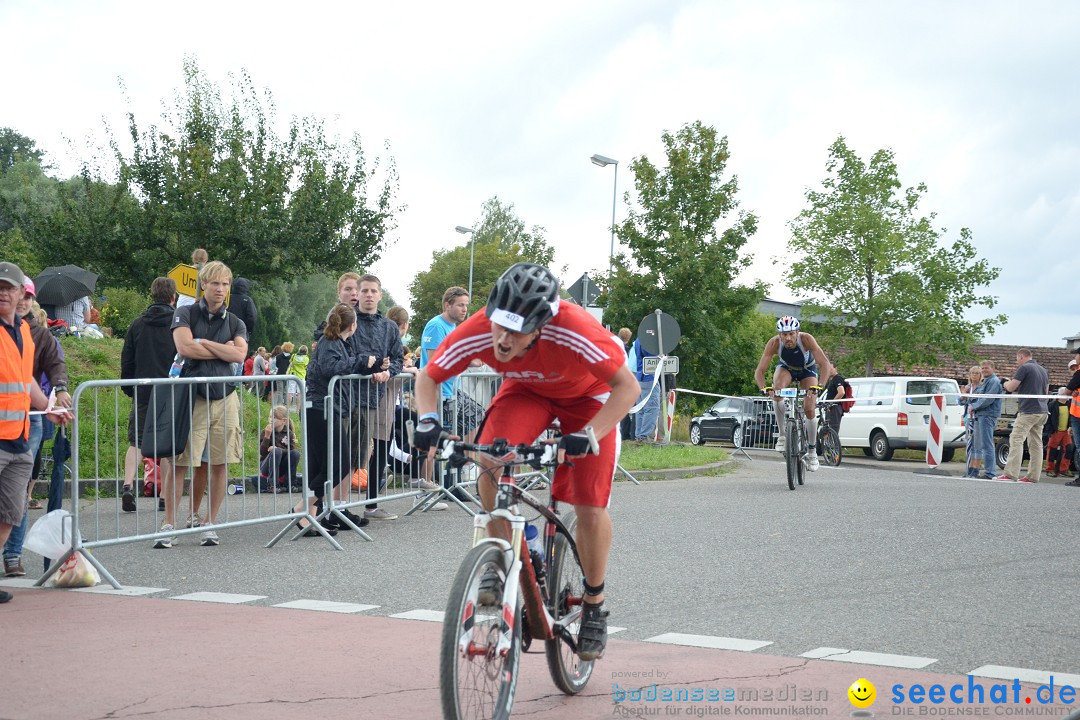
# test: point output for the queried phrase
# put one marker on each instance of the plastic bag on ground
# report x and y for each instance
(50, 535)
(76, 572)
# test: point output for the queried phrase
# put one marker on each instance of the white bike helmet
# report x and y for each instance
(787, 324)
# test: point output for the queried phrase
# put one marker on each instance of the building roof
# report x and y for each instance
(1054, 359)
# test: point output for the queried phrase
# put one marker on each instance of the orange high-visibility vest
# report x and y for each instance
(16, 375)
(1074, 406)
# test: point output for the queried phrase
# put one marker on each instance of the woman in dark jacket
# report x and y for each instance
(331, 357)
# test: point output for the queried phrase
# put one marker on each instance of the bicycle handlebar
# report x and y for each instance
(537, 455)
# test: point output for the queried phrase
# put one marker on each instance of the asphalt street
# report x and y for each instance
(869, 556)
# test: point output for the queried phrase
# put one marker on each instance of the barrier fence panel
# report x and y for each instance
(366, 430)
(149, 438)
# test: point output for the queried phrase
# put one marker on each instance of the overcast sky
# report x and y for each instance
(979, 100)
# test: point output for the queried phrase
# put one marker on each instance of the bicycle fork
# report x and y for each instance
(540, 620)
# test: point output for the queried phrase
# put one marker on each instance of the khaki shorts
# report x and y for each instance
(226, 444)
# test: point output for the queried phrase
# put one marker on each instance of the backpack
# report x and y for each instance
(847, 404)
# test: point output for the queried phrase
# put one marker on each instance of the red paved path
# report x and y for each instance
(74, 656)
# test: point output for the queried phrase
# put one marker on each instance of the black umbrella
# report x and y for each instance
(63, 285)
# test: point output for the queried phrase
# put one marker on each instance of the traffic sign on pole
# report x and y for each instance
(186, 278)
(659, 333)
(583, 291)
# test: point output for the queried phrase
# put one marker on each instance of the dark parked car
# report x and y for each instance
(743, 421)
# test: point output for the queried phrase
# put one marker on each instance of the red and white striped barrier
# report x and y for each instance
(937, 422)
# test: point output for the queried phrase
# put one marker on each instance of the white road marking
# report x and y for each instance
(326, 606)
(709, 641)
(910, 662)
(425, 615)
(1026, 675)
(217, 597)
(127, 590)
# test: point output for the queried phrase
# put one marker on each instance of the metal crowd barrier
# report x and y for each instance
(99, 446)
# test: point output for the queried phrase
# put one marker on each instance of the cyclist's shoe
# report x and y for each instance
(814, 463)
(592, 635)
(491, 588)
(780, 445)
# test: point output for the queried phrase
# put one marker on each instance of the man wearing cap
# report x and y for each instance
(48, 364)
(1073, 388)
(18, 391)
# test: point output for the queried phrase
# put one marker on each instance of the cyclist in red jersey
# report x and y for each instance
(557, 361)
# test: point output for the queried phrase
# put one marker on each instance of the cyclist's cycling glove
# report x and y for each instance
(575, 444)
(426, 434)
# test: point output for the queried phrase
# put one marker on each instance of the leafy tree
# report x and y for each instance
(16, 147)
(19, 251)
(687, 266)
(500, 241)
(25, 189)
(876, 268)
(217, 175)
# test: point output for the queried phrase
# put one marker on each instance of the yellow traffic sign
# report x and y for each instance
(186, 278)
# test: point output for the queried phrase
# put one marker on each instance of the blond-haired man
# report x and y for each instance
(211, 339)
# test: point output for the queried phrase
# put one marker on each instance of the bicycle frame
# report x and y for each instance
(542, 625)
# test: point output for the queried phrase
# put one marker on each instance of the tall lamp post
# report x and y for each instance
(472, 251)
(601, 161)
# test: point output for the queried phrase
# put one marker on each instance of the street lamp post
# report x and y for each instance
(472, 251)
(601, 161)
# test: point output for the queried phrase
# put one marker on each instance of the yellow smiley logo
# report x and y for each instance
(862, 693)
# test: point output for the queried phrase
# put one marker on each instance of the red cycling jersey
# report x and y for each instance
(573, 357)
(564, 375)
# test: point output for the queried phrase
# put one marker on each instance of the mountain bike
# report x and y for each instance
(540, 596)
(828, 440)
(796, 447)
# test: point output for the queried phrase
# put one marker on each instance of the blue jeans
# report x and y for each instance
(645, 422)
(984, 443)
(14, 545)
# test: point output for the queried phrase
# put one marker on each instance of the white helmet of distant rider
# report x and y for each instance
(787, 324)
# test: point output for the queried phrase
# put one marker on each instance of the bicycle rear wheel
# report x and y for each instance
(475, 682)
(791, 452)
(566, 589)
(831, 450)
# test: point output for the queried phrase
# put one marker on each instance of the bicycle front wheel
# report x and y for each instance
(566, 589)
(476, 682)
(791, 452)
(831, 450)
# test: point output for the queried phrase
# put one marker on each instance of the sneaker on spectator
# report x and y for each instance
(423, 484)
(4, 597)
(814, 463)
(780, 444)
(195, 521)
(1074, 483)
(439, 506)
(13, 567)
(165, 542)
(209, 539)
(351, 517)
(1025, 479)
(1006, 478)
(128, 500)
(379, 514)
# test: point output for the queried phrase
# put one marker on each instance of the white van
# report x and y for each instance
(885, 417)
